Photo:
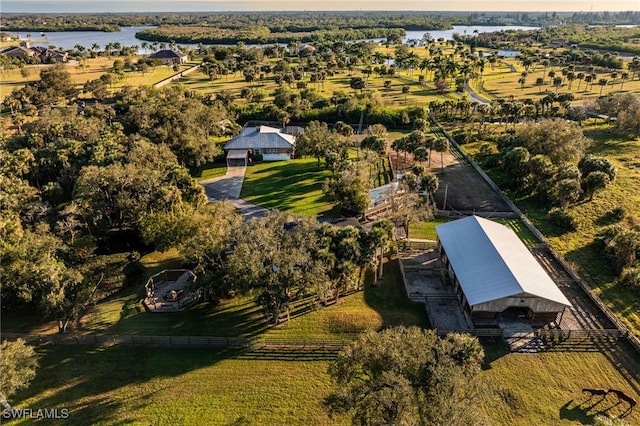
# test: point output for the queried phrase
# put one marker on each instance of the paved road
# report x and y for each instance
(228, 187)
(474, 96)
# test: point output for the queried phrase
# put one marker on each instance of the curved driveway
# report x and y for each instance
(228, 187)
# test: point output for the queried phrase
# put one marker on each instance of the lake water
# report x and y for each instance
(68, 39)
(127, 36)
(463, 30)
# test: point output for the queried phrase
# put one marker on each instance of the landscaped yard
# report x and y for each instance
(294, 186)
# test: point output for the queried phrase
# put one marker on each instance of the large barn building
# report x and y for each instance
(492, 271)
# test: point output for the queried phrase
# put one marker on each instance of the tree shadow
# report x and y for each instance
(388, 297)
(233, 318)
(83, 379)
(609, 218)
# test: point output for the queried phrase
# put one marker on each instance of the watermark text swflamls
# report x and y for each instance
(35, 413)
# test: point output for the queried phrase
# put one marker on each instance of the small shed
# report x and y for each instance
(492, 271)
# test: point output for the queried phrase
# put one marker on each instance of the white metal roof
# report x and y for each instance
(237, 154)
(491, 262)
(260, 138)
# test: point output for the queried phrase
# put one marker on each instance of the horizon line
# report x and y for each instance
(321, 10)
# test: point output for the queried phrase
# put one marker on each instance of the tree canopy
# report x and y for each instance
(18, 363)
(410, 376)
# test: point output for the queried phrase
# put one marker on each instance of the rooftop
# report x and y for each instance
(491, 262)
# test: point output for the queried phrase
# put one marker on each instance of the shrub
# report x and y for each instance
(562, 219)
(486, 149)
(618, 213)
(631, 277)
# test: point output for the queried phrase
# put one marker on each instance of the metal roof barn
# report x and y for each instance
(494, 269)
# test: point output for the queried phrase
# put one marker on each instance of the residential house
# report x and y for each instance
(273, 144)
(170, 57)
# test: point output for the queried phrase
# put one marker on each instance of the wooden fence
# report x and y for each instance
(183, 341)
(631, 338)
(580, 334)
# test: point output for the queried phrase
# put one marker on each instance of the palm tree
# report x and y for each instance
(557, 82)
(587, 79)
(624, 76)
(580, 78)
(571, 76)
(602, 82)
(441, 145)
(399, 145)
(522, 80)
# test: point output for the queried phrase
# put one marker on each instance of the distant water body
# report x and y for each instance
(127, 36)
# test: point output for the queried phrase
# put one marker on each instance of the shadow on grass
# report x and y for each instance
(388, 297)
(593, 263)
(86, 379)
(575, 411)
(236, 318)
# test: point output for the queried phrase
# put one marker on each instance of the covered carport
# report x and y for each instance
(237, 157)
(492, 272)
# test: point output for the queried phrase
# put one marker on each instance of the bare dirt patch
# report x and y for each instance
(463, 189)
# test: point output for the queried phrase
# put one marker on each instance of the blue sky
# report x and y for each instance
(70, 6)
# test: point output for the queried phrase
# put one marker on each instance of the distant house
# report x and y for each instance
(558, 43)
(46, 55)
(493, 272)
(21, 52)
(273, 144)
(50, 55)
(306, 49)
(170, 57)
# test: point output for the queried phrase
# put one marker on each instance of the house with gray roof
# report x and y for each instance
(273, 144)
(492, 271)
(170, 57)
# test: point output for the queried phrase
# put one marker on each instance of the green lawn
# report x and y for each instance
(117, 385)
(120, 385)
(545, 388)
(210, 170)
(426, 230)
(294, 186)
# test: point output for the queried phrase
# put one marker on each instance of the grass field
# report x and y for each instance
(116, 385)
(92, 69)
(502, 84)
(120, 385)
(209, 171)
(294, 186)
